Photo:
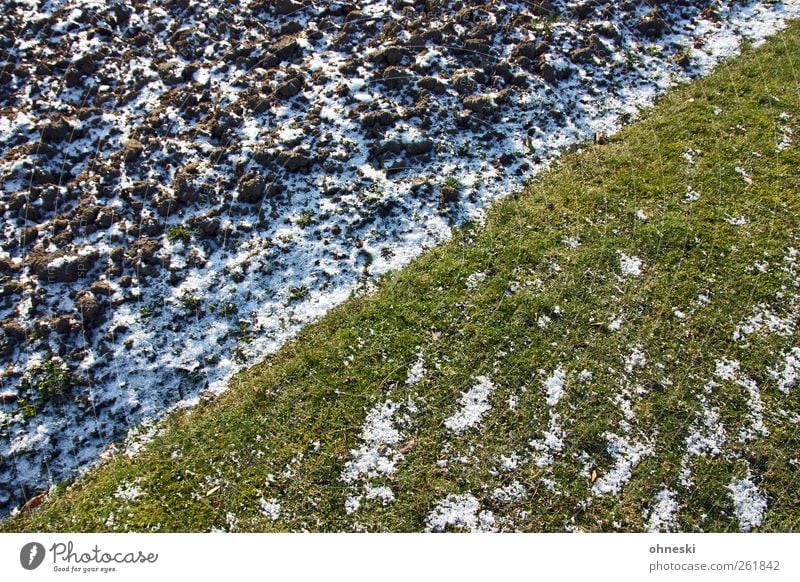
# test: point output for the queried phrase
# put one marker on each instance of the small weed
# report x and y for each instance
(49, 381)
(298, 293)
(228, 310)
(450, 189)
(191, 304)
(180, 232)
(305, 220)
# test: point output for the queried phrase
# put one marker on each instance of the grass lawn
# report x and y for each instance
(622, 329)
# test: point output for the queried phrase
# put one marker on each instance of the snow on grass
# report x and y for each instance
(787, 374)
(749, 503)
(554, 386)
(514, 491)
(636, 359)
(765, 320)
(730, 371)
(706, 435)
(627, 454)
(417, 371)
(662, 515)
(385, 427)
(460, 512)
(128, 491)
(630, 266)
(301, 260)
(474, 404)
(270, 508)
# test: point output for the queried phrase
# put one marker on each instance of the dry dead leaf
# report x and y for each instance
(408, 447)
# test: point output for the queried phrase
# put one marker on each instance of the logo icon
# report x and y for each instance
(31, 555)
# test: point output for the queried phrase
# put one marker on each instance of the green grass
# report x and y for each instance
(285, 428)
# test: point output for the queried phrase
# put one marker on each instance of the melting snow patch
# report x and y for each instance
(554, 386)
(787, 375)
(662, 516)
(474, 404)
(384, 428)
(764, 319)
(417, 371)
(474, 280)
(726, 369)
(461, 512)
(707, 435)
(382, 493)
(270, 509)
(636, 359)
(379, 431)
(692, 195)
(629, 265)
(749, 503)
(730, 370)
(627, 455)
(509, 463)
(552, 442)
(736, 220)
(743, 173)
(128, 491)
(616, 323)
(514, 491)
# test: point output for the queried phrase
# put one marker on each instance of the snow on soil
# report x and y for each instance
(168, 221)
